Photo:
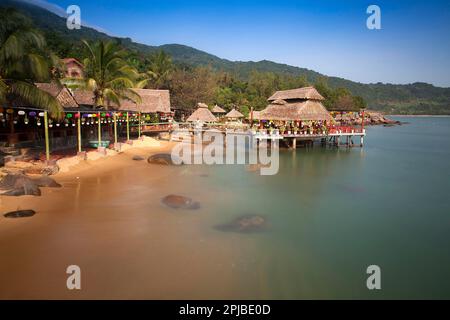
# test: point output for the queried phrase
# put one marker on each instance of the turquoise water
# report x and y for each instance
(335, 212)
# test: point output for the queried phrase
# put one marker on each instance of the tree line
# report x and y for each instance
(112, 71)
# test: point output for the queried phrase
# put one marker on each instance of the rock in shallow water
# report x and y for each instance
(164, 159)
(138, 158)
(180, 202)
(245, 224)
(20, 214)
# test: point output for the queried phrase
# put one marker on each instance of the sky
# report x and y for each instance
(331, 37)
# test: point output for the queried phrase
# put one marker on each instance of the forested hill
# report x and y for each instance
(416, 98)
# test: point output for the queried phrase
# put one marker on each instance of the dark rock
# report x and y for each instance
(20, 184)
(164, 159)
(180, 202)
(245, 224)
(138, 158)
(20, 214)
(46, 181)
(29, 189)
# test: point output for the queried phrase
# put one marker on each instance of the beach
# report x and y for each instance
(108, 219)
(331, 213)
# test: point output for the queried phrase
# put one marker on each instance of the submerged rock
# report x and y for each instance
(20, 214)
(138, 158)
(245, 224)
(164, 159)
(180, 202)
(46, 181)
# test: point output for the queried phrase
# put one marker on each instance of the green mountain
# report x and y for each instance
(416, 98)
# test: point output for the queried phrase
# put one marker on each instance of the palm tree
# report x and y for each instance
(23, 61)
(107, 74)
(159, 71)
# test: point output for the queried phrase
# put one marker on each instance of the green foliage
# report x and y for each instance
(245, 83)
(108, 74)
(24, 59)
(160, 68)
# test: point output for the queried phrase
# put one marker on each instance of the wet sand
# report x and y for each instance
(108, 219)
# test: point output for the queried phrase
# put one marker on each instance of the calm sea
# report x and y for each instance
(335, 212)
(331, 213)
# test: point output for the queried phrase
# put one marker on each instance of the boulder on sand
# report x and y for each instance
(245, 224)
(180, 202)
(164, 159)
(20, 184)
(46, 181)
(20, 214)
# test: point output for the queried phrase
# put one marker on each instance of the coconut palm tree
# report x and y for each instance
(107, 74)
(23, 61)
(159, 71)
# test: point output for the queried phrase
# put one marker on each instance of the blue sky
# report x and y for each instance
(327, 36)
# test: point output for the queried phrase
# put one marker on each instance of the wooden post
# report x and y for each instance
(139, 127)
(47, 142)
(294, 143)
(128, 126)
(115, 127)
(251, 117)
(79, 132)
(362, 121)
(99, 130)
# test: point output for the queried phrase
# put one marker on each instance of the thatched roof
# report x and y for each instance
(304, 110)
(83, 97)
(61, 93)
(202, 105)
(217, 109)
(256, 115)
(308, 93)
(202, 114)
(152, 101)
(234, 114)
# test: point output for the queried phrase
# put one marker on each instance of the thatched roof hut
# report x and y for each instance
(217, 109)
(61, 93)
(152, 101)
(302, 111)
(234, 114)
(302, 104)
(202, 114)
(305, 93)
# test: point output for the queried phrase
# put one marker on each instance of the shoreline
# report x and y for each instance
(108, 219)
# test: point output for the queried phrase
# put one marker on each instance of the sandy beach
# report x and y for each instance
(108, 219)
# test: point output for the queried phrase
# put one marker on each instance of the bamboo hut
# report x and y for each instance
(302, 104)
(234, 115)
(218, 110)
(202, 114)
(152, 101)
